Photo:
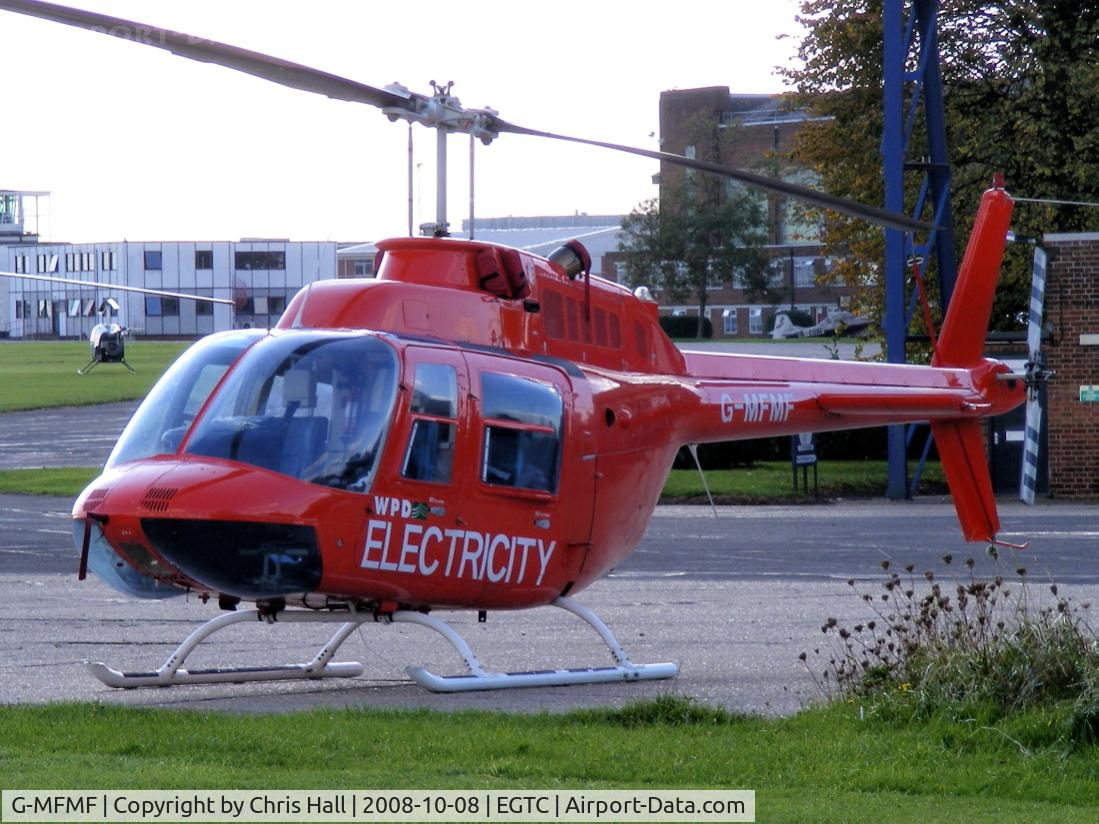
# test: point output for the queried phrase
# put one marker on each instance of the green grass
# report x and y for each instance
(820, 765)
(36, 375)
(65, 481)
(773, 482)
(763, 483)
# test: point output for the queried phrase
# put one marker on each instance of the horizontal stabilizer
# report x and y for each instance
(966, 468)
(903, 403)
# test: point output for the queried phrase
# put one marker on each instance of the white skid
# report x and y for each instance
(476, 678)
(545, 678)
(172, 672)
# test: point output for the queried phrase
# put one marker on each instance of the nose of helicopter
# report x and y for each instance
(209, 525)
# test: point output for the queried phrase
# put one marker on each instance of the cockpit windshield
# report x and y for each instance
(311, 405)
(167, 412)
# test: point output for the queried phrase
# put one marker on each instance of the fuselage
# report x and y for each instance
(472, 429)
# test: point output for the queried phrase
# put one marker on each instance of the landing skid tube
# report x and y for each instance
(478, 679)
(172, 672)
(321, 666)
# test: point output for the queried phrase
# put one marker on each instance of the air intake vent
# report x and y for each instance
(158, 498)
(96, 497)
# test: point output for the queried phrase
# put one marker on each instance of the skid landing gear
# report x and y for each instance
(321, 666)
(96, 361)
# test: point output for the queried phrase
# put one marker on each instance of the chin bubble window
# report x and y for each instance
(522, 435)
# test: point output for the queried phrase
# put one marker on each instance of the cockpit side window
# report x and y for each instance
(434, 408)
(522, 434)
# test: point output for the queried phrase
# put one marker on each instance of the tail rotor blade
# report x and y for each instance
(1036, 375)
(1028, 482)
(1037, 301)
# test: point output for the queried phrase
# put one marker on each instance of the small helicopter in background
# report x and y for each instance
(108, 346)
(477, 428)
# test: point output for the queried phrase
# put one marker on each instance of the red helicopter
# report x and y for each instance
(477, 428)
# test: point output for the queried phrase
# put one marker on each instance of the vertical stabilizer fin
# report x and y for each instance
(962, 452)
(962, 340)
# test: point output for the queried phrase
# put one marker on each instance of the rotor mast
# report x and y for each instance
(443, 112)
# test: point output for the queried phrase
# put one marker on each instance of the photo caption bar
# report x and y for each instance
(378, 805)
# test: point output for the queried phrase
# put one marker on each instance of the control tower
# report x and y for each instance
(18, 223)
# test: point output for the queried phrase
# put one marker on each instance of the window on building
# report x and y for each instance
(259, 305)
(259, 260)
(362, 268)
(204, 307)
(21, 264)
(277, 304)
(153, 260)
(158, 306)
(204, 259)
(70, 262)
(434, 406)
(522, 432)
(47, 264)
(728, 322)
(106, 261)
(755, 321)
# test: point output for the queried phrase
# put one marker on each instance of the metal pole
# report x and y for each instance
(893, 161)
(440, 181)
(410, 219)
(471, 147)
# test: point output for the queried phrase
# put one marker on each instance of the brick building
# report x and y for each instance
(1072, 312)
(762, 131)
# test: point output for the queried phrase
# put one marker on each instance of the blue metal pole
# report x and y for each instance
(939, 170)
(893, 167)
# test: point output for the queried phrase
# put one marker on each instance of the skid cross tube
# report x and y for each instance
(172, 673)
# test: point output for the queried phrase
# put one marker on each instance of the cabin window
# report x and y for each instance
(522, 442)
(434, 407)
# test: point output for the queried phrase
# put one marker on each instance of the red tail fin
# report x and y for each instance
(963, 335)
(966, 467)
(962, 344)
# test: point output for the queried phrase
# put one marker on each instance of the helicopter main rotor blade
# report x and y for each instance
(872, 214)
(414, 107)
(204, 50)
(95, 284)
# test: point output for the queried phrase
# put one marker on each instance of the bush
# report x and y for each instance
(985, 647)
(735, 453)
(685, 326)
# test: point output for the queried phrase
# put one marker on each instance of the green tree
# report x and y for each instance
(1020, 78)
(703, 231)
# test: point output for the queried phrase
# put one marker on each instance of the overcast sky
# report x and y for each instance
(136, 143)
